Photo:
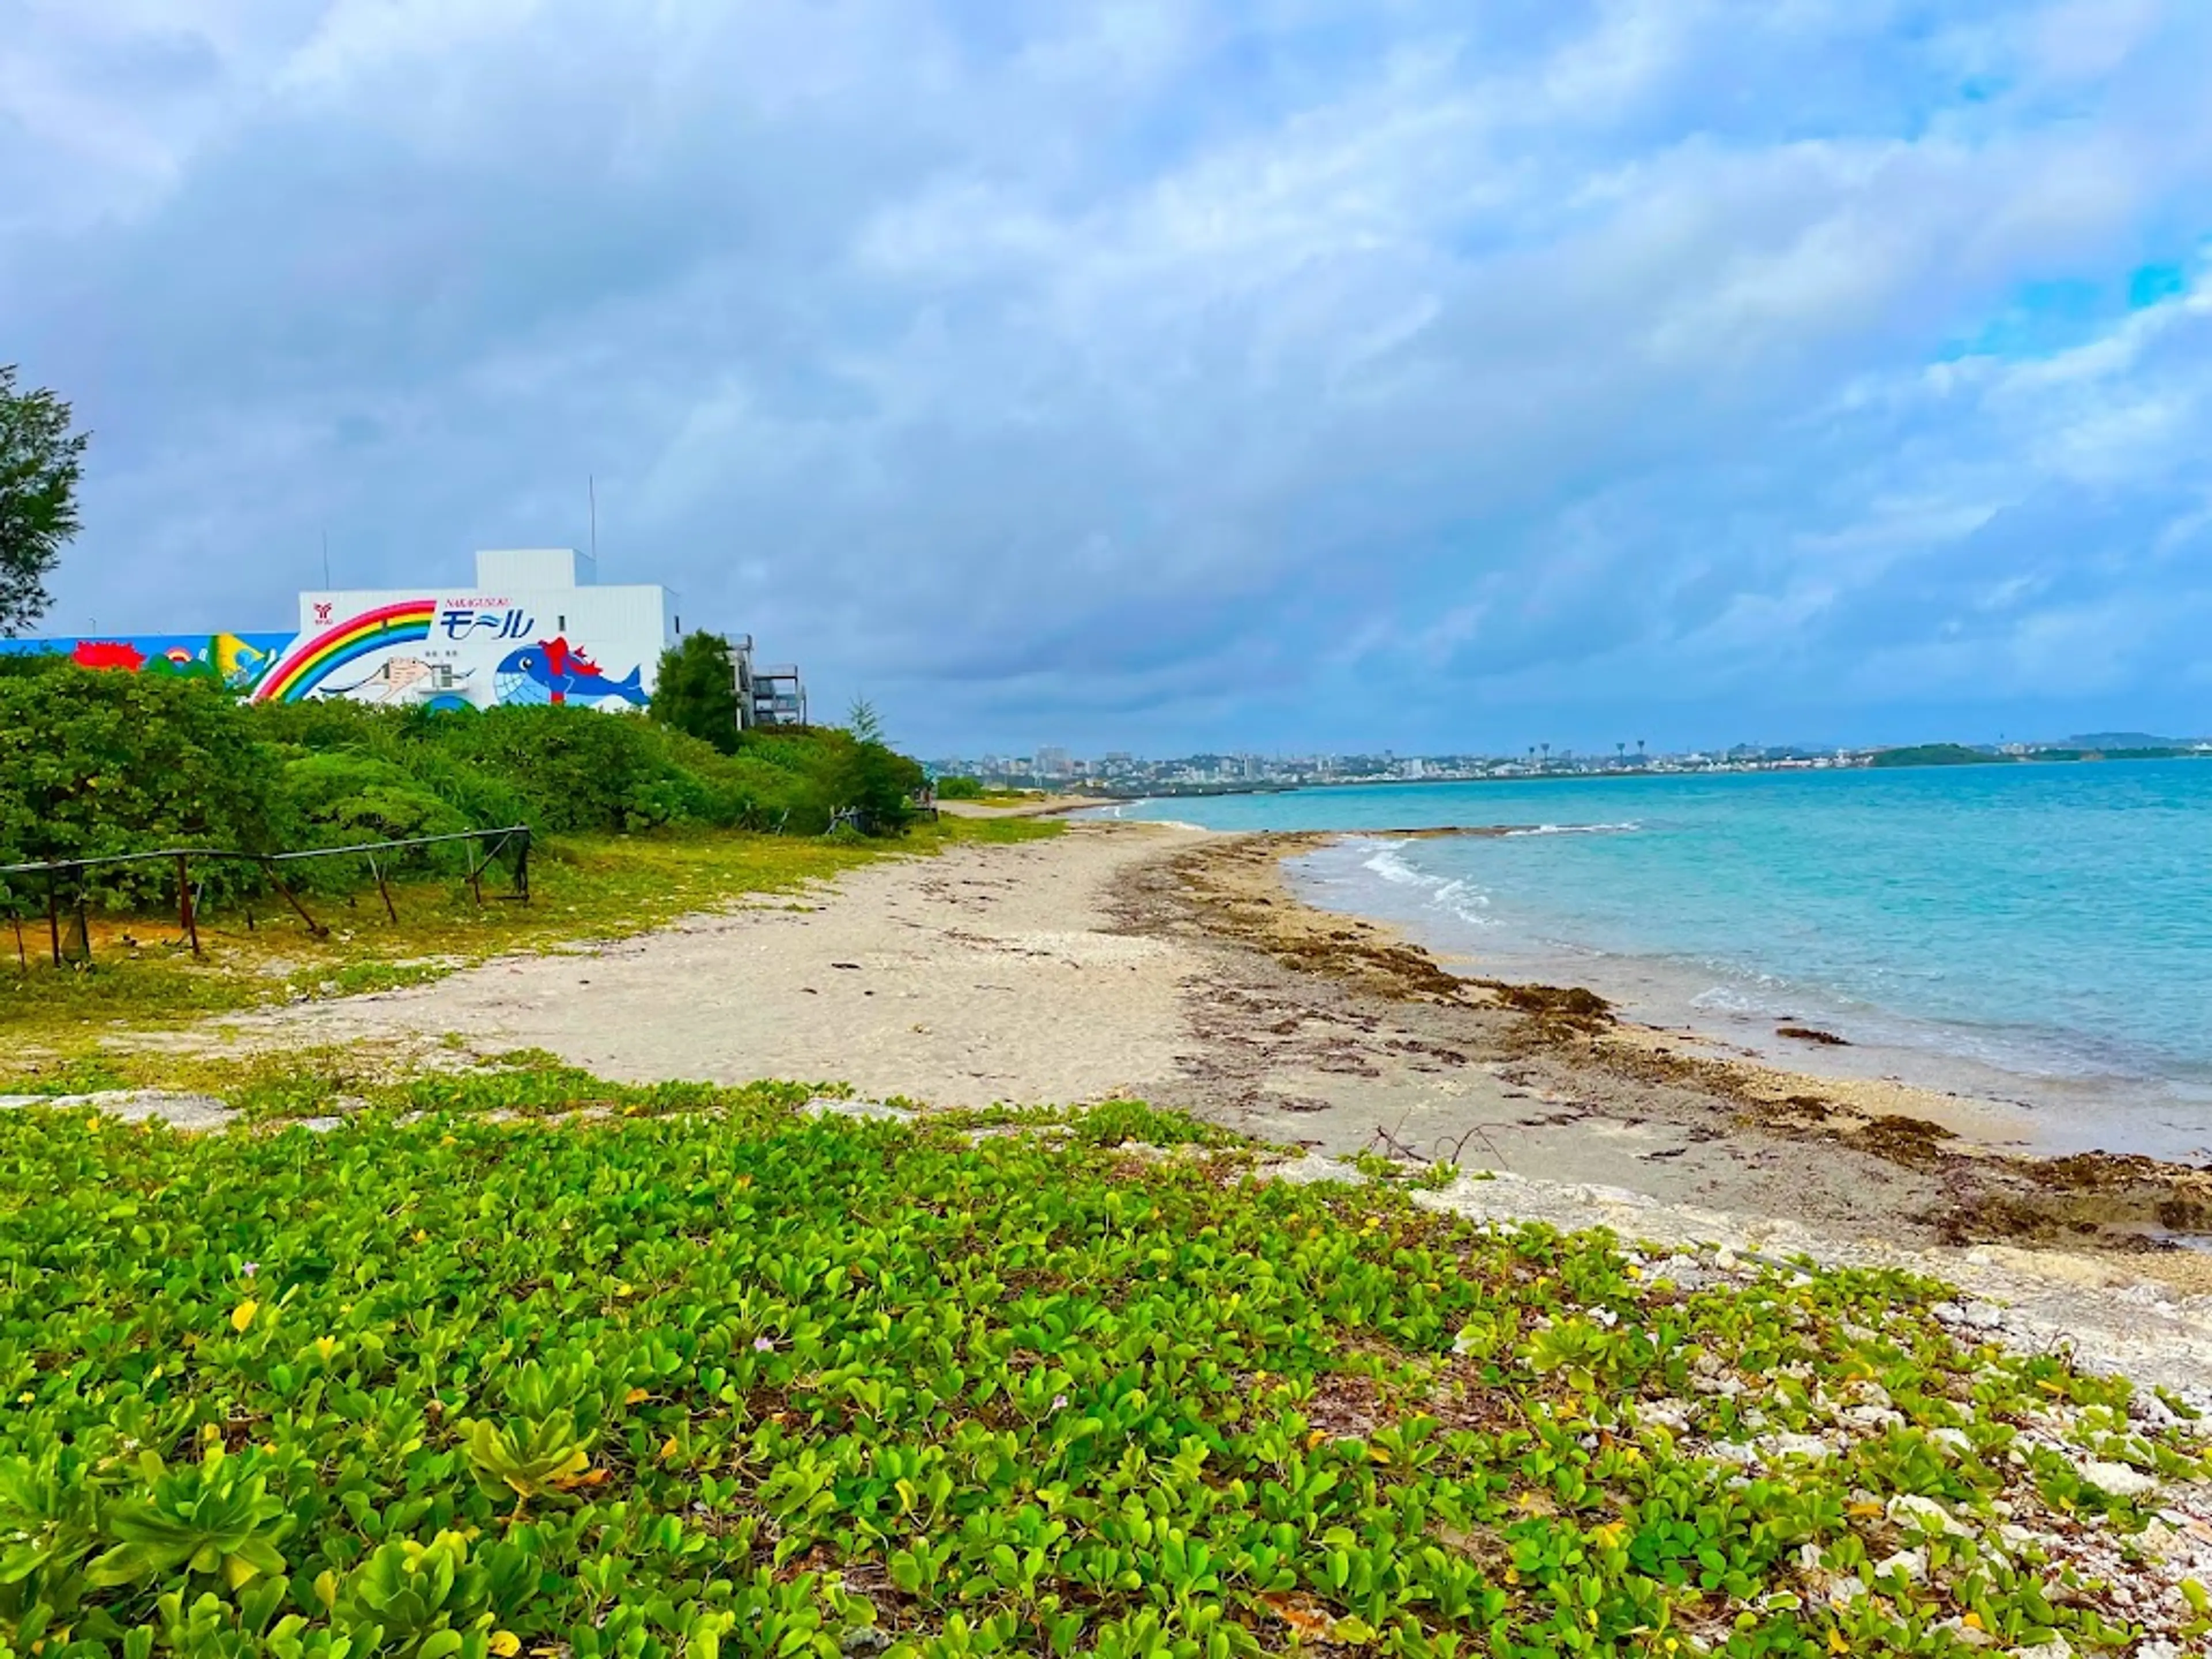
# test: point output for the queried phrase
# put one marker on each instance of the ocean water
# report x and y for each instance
(2041, 934)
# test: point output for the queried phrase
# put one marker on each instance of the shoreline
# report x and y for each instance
(2037, 1093)
(1970, 1147)
(1175, 965)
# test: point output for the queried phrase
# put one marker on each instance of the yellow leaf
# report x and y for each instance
(1864, 1509)
(421, 1236)
(506, 1643)
(326, 1346)
(633, 1397)
(1836, 1643)
(670, 1450)
(242, 1314)
(1973, 1621)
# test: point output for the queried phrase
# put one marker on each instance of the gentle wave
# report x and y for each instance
(1453, 895)
(2052, 922)
(1627, 828)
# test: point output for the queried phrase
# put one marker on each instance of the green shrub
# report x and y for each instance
(959, 788)
(345, 798)
(95, 764)
(696, 691)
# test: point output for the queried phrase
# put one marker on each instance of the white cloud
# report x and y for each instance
(1213, 364)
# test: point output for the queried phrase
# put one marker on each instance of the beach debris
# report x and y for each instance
(1812, 1034)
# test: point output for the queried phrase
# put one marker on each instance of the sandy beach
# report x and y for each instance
(1165, 963)
(1154, 961)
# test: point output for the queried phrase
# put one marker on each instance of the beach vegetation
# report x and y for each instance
(696, 691)
(959, 787)
(517, 1360)
(41, 458)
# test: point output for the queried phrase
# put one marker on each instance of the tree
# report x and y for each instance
(697, 691)
(39, 460)
(872, 777)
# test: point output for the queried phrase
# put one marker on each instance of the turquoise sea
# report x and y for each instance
(2039, 933)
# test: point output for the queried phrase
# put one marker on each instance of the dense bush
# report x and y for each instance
(95, 762)
(696, 691)
(959, 788)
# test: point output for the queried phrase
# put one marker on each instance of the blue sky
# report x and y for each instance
(1290, 374)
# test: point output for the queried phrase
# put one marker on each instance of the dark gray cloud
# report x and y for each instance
(1288, 372)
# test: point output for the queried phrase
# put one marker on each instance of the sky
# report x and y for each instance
(1170, 374)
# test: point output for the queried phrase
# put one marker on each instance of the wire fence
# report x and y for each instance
(62, 884)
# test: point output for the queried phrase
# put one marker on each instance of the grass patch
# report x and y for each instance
(689, 1370)
(583, 888)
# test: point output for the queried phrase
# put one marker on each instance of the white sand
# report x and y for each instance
(986, 974)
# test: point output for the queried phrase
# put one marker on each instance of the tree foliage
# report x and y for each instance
(697, 691)
(873, 780)
(39, 461)
(94, 762)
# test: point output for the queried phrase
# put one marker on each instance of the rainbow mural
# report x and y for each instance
(308, 664)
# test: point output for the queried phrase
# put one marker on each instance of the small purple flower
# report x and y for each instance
(764, 1345)
(250, 1268)
(1059, 1403)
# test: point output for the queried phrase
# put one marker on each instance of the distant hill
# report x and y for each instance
(1937, 754)
(2107, 740)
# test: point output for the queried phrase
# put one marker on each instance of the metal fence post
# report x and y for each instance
(185, 910)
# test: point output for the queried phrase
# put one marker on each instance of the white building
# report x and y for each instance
(537, 628)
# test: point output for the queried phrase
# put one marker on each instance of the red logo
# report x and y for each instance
(322, 613)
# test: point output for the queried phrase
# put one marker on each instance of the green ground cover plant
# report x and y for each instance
(519, 1361)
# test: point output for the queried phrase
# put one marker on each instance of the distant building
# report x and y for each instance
(537, 628)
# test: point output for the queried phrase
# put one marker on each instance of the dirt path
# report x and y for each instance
(989, 973)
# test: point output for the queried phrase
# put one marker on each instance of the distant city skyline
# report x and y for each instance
(1050, 763)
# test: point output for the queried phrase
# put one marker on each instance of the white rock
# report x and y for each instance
(2055, 1648)
(1913, 1564)
(1925, 1513)
(1795, 1445)
(2118, 1479)
(2145, 1406)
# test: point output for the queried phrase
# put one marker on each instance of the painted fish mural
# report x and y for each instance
(398, 654)
(553, 670)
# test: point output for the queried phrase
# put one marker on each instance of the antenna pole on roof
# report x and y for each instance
(327, 560)
(592, 484)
